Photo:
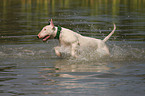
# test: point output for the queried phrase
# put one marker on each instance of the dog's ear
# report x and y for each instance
(52, 25)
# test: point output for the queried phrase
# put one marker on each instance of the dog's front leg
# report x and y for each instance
(74, 49)
(57, 52)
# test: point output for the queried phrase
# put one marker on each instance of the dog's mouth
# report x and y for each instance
(46, 37)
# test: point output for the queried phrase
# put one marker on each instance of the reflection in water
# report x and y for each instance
(83, 77)
(50, 5)
(81, 66)
(29, 67)
(43, 73)
(69, 78)
(31, 15)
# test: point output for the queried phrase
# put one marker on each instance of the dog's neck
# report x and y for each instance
(57, 32)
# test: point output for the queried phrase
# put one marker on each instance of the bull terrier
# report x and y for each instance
(72, 40)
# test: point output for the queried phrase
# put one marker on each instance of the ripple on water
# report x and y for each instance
(119, 52)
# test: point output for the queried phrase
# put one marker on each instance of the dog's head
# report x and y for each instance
(47, 32)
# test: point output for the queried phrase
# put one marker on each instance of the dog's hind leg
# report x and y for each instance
(57, 52)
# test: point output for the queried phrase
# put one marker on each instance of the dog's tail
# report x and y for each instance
(107, 37)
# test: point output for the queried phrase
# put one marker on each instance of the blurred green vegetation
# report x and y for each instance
(23, 14)
(50, 5)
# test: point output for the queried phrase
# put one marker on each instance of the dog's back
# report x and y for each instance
(73, 40)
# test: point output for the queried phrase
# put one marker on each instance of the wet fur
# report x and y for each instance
(74, 41)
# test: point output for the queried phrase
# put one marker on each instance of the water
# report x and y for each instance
(29, 67)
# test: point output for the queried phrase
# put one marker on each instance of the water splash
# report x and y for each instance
(24, 52)
(119, 52)
(127, 52)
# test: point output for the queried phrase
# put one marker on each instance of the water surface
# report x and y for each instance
(29, 67)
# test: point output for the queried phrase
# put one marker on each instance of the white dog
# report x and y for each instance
(72, 40)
